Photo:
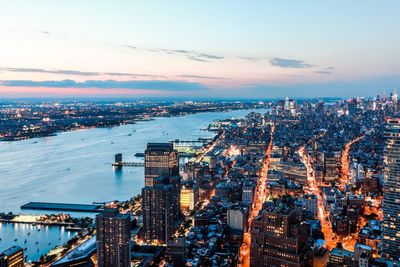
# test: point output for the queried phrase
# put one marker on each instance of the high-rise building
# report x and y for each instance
(189, 196)
(331, 161)
(160, 196)
(160, 160)
(12, 257)
(278, 238)
(158, 214)
(391, 192)
(176, 252)
(113, 239)
(160, 208)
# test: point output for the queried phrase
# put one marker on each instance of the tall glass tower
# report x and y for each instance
(391, 191)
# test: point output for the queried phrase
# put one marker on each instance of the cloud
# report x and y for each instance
(189, 54)
(78, 73)
(289, 63)
(110, 84)
(252, 59)
(324, 72)
(193, 55)
(202, 77)
(327, 70)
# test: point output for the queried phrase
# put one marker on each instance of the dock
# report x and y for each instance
(129, 164)
(180, 154)
(62, 207)
(190, 143)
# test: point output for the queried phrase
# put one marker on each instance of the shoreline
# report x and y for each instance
(57, 132)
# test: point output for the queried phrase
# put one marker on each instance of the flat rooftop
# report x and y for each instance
(62, 207)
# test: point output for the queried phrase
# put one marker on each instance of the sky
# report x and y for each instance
(215, 49)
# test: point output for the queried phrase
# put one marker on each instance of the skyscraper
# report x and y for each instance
(113, 239)
(391, 192)
(12, 257)
(278, 238)
(160, 208)
(160, 196)
(160, 159)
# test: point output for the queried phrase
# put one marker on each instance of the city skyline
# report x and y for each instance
(214, 50)
(187, 133)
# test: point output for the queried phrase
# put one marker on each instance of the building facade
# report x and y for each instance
(278, 238)
(391, 192)
(158, 212)
(12, 257)
(161, 194)
(160, 160)
(113, 239)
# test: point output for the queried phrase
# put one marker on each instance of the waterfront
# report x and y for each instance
(75, 166)
(38, 242)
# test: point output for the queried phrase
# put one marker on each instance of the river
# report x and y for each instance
(75, 167)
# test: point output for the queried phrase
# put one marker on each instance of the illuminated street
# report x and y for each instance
(330, 237)
(344, 172)
(259, 198)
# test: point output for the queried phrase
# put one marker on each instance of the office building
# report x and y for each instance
(161, 194)
(12, 257)
(237, 218)
(113, 239)
(160, 208)
(341, 258)
(391, 192)
(176, 252)
(189, 196)
(278, 238)
(248, 192)
(160, 160)
(332, 161)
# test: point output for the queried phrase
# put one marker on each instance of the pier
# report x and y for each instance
(190, 143)
(62, 207)
(128, 164)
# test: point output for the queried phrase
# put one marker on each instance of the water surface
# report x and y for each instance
(75, 167)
